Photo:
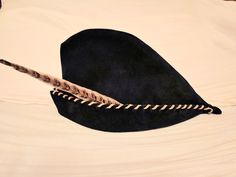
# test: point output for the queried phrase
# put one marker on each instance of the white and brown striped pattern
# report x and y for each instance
(147, 107)
(93, 98)
(76, 90)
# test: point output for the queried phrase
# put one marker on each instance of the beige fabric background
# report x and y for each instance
(197, 37)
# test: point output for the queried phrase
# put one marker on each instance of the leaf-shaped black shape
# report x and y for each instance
(121, 66)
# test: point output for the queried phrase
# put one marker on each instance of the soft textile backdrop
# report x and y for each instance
(197, 37)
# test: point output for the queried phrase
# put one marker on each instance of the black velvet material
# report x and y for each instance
(121, 66)
(119, 120)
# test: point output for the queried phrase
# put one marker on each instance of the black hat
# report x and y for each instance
(121, 66)
(141, 90)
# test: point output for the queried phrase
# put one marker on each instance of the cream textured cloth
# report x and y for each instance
(198, 38)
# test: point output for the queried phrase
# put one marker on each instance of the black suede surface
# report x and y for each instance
(121, 66)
